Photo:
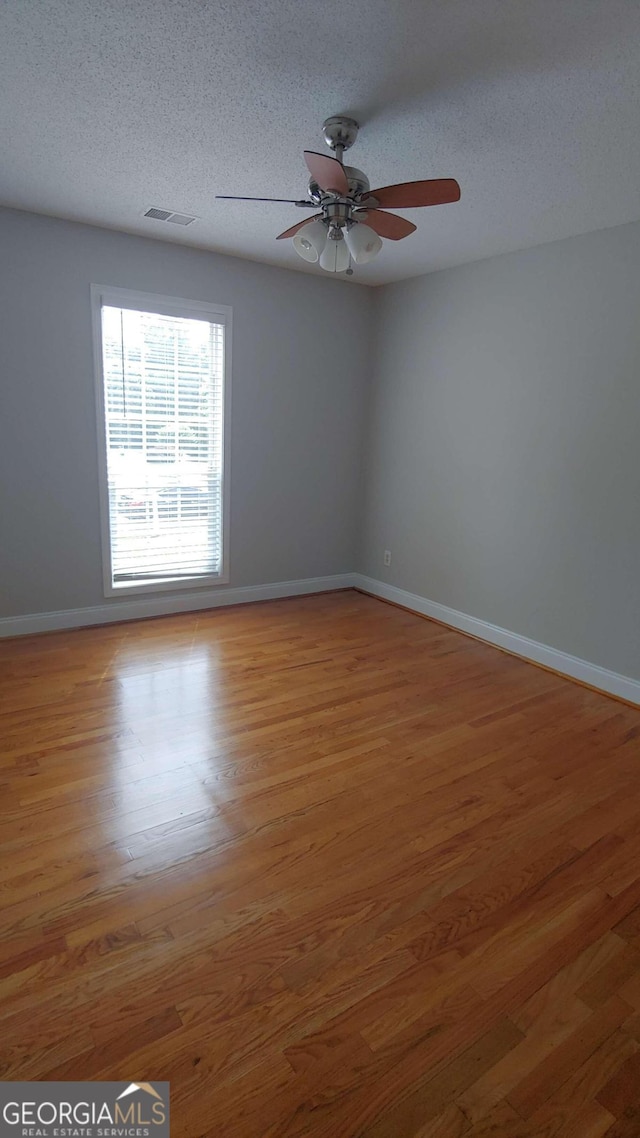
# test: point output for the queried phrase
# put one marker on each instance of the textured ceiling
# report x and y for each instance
(110, 107)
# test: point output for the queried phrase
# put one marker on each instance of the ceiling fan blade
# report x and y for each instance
(408, 195)
(294, 228)
(288, 201)
(386, 224)
(328, 172)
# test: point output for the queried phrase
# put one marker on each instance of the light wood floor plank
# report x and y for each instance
(327, 867)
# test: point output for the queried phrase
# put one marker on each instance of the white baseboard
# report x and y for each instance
(163, 604)
(611, 682)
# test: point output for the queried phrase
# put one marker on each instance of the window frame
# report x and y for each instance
(111, 296)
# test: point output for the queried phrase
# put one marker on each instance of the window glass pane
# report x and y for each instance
(163, 380)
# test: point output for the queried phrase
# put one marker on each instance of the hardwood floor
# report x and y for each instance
(331, 869)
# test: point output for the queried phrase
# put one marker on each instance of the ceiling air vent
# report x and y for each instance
(180, 219)
(168, 215)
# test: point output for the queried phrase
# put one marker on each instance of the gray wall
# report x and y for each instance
(504, 449)
(503, 455)
(300, 368)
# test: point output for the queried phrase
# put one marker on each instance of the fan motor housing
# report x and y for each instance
(358, 182)
(358, 186)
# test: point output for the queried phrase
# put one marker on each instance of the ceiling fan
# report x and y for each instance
(352, 217)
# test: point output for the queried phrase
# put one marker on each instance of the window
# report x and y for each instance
(162, 410)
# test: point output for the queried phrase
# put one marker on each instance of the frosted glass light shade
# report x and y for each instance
(335, 257)
(310, 240)
(363, 242)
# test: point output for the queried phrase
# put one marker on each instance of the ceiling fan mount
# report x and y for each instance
(340, 132)
(352, 217)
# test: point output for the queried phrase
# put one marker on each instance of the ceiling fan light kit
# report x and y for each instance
(311, 240)
(335, 255)
(352, 218)
(363, 243)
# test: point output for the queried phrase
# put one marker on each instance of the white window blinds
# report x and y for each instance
(163, 380)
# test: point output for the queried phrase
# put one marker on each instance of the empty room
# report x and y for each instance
(319, 569)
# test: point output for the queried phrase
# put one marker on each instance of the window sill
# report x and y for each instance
(165, 585)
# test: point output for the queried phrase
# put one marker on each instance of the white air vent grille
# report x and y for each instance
(158, 214)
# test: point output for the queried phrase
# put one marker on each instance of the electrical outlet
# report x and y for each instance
(387, 557)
